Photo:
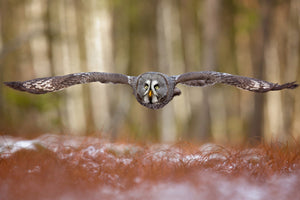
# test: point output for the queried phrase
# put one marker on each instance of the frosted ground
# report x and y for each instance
(63, 167)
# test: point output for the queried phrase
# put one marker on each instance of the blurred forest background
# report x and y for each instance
(256, 38)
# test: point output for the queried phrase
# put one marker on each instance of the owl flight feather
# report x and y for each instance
(151, 89)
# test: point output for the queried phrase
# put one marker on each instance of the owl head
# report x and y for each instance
(154, 90)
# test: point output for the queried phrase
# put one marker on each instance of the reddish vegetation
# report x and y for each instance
(76, 168)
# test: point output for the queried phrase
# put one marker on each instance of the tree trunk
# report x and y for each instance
(210, 23)
(291, 107)
(98, 40)
(65, 55)
(169, 60)
(258, 52)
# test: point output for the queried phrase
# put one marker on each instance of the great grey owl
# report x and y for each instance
(151, 89)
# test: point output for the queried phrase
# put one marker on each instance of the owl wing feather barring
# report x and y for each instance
(151, 89)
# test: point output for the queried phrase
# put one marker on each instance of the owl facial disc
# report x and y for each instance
(150, 94)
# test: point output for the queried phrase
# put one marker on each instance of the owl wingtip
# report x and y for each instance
(294, 85)
(7, 83)
(10, 84)
(15, 85)
(290, 85)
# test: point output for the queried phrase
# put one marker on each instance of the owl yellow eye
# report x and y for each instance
(146, 86)
(156, 87)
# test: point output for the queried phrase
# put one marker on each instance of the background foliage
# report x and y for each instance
(258, 38)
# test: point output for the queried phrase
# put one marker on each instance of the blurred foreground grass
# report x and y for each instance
(68, 167)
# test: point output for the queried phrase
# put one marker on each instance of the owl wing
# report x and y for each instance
(55, 83)
(205, 78)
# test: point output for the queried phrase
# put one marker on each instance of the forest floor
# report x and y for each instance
(62, 167)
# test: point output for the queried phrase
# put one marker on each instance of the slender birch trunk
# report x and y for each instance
(65, 55)
(203, 113)
(170, 60)
(98, 40)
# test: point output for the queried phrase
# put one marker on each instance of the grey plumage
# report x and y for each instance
(151, 89)
(55, 83)
(205, 78)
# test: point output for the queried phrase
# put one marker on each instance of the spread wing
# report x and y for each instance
(205, 78)
(55, 83)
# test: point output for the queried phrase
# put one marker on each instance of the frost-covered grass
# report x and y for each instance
(59, 167)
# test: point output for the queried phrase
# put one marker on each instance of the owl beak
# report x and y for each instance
(150, 93)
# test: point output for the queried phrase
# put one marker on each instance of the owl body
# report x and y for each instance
(153, 90)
